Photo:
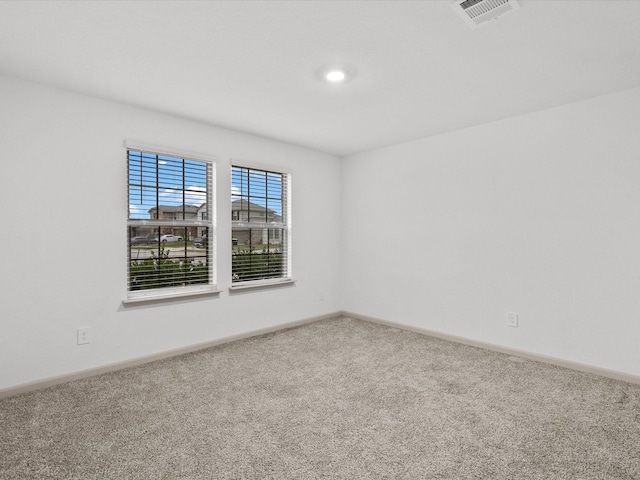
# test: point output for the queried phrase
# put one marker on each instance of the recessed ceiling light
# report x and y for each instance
(335, 76)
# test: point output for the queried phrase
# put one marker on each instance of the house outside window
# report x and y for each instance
(260, 226)
(169, 231)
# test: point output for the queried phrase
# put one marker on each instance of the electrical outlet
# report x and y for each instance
(84, 335)
(321, 296)
(512, 319)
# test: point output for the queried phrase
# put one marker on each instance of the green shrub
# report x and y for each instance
(247, 265)
(160, 271)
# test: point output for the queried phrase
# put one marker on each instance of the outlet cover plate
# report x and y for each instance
(84, 334)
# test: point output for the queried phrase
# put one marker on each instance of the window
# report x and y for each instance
(260, 226)
(169, 224)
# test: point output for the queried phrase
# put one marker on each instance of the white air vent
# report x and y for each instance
(477, 12)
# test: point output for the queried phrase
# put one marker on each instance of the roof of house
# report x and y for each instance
(176, 208)
(243, 204)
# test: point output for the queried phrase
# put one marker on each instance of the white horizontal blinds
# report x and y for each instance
(167, 221)
(259, 217)
(167, 264)
(156, 181)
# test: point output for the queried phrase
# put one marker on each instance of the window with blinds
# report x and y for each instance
(260, 226)
(170, 226)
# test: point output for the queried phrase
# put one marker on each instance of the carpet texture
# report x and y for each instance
(335, 399)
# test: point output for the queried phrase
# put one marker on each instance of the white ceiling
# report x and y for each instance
(418, 69)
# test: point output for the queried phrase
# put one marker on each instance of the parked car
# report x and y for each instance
(140, 241)
(200, 242)
(170, 238)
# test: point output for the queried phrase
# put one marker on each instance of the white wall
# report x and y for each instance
(538, 215)
(64, 200)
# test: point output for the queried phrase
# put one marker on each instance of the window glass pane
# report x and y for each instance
(258, 254)
(259, 232)
(274, 209)
(167, 257)
(168, 190)
(174, 187)
(274, 185)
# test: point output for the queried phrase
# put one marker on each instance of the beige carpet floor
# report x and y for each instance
(335, 399)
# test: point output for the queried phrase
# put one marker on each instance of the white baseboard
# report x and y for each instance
(51, 381)
(112, 367)
(581, 367)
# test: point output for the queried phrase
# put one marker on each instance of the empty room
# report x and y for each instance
(320, 239)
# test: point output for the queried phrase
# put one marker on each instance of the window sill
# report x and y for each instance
(156, 297)
(260, 284)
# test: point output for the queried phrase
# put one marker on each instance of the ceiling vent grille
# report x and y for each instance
(477, 12)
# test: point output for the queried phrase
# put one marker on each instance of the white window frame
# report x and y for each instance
(163, 293)
(285, 225)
